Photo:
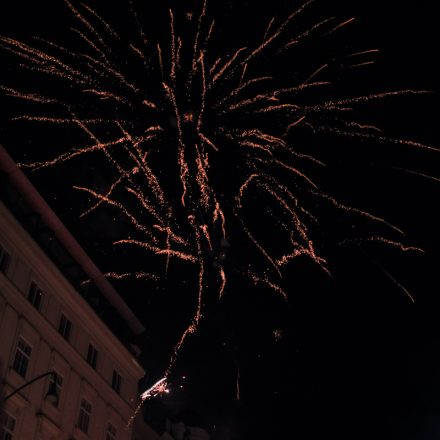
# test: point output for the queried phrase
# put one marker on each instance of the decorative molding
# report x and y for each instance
(70, 299)
(18, 402)
(47, 427)
(57, 342)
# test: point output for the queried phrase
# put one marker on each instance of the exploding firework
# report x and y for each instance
(199, 138)
(158, 388)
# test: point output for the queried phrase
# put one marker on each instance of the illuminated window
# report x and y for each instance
(116, 381)
(35, 295)
(4, 259)
(7, 426)
(111, 432)
(85, 413)
(22, 357)
(92, 355)
(65, 327)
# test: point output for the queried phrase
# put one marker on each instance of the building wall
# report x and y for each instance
(35, 417)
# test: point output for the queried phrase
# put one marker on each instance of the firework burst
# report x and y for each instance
(195, 136)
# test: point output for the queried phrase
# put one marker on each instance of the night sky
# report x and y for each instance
(349, 356)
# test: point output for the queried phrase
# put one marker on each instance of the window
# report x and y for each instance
(7, 426)
(85, 412)
(116, 381)
(92, 355)
(58, 386)
(4, 259)
(111, 432)
(22, 357)
(65, 327)
(34, 296)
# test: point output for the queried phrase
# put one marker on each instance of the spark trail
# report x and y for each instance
(198, 133)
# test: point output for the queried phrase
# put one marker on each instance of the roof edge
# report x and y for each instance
(51, 220)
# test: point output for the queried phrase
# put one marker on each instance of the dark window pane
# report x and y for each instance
(92, 355)
(111, 432)
(58, 386)
(22, 357)
(7, 426)
(85, 412)
(35, 295)
(116, 381)
(4, 259)
(64, 327)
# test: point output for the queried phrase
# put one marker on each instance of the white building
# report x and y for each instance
(46, 324)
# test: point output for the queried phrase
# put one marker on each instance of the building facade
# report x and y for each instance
(47, 325)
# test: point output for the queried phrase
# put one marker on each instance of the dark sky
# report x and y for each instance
(354, 357)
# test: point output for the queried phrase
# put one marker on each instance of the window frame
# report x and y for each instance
(84, 415)
(58, 386)
(62, 329)
(34, 287)
(18, 362)
(116, 381)
(4, 428)
(5, 259)
(111, 432)
(92, 355)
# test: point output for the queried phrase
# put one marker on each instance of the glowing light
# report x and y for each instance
(157, 389)
(160, 387)
(277, 334)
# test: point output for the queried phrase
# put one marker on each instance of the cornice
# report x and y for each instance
(48, 333)
(29, 252)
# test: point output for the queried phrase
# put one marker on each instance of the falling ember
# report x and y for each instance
(160, 387)
(264, 280)
(188, 117)
(130, 275)
(223, 278)
(386, 241)
(199, 136)
(277, 334)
